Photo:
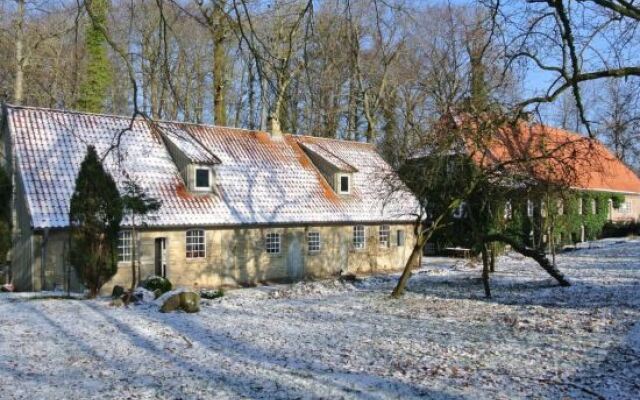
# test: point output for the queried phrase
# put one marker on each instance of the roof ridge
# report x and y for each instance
(332, 139)
(66, 111)
(78, 112)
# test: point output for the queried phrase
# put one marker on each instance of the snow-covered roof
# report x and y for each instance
(259, 180)
(325, 152)
(187, 144)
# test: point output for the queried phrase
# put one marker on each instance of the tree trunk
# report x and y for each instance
(251, 96)
(414, 259)
(485, 270)
(18, 89)
(492, 265)
(537, 255)
(219, 70)
(264, 111)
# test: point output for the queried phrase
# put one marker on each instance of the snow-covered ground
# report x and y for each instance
(332, 340)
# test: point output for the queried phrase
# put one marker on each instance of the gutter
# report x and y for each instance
(149, 227)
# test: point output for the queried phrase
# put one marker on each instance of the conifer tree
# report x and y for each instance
(95, 215)
(97, 78)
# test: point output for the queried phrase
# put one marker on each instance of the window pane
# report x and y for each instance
(313, 242)
(195, 244)
(384, 236)
(124, 246)
(202, 178)
(344, 184)
(272, 243)
(400, 238)
(358, 237)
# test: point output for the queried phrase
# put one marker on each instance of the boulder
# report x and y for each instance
(179, 300)
(7, 287)
(142, 295)
(154, 283)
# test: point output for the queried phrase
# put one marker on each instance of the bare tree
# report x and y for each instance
(621, 119)
(570, 42)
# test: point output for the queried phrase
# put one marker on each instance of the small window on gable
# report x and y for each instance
(344, 184)
(202, 179)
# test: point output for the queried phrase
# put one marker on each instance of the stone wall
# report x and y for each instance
(238, 256)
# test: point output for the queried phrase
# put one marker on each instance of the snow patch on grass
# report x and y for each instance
(333, 339)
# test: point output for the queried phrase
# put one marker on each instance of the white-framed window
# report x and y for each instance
(196, 245)
(459, 211)
(313, 241)
(580, 205)
(125, 242)
(400, 237)
(383, 236)
(560, 206)
(543, 208)
(594, 207)
(359, 238)
(529, 208)
(272, 243)
(508, 210)
(344, 184)
(202, 178)
(623, 208)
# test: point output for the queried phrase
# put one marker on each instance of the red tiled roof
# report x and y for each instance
(259, 180)
(560, 156)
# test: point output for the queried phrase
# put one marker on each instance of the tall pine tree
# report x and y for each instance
(97, 77)
(95, 215)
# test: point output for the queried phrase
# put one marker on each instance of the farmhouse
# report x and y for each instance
(569, 159)
(576, 185)
(238, 207)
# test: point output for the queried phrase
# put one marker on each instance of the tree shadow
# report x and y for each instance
(255, 372)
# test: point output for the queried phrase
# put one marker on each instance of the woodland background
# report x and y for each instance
(381, 71)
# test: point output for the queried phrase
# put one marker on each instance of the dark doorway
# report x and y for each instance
(161, 257)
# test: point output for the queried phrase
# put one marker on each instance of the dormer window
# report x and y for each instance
(202, 178)
(344, 184)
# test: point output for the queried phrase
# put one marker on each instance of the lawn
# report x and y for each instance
(334, 340)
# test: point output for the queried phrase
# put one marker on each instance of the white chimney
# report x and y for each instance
(273, 127)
